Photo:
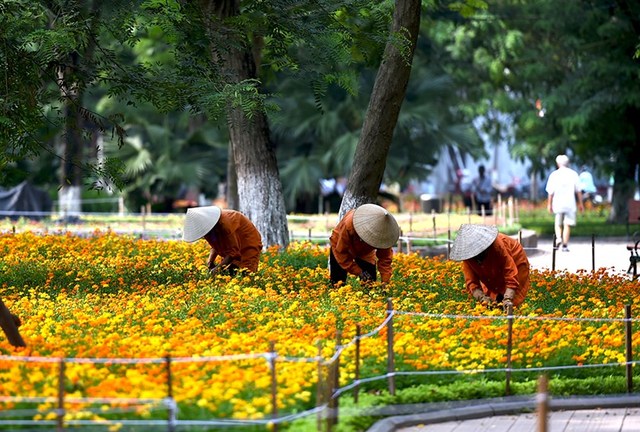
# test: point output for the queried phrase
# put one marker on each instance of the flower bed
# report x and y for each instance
(93, 301)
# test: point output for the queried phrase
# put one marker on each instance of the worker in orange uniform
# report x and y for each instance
(362, 243)
(230, 234)
(495, 266)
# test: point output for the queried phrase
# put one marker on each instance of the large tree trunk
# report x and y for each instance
(259, 188)
(233, 202)
(388, 93)
(70, 82)
(625, 180)
(69, 194)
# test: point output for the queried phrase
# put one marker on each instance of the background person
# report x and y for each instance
(563, 187)
(361, 243)
(230, 234)
(483, 192)
(465, 182)
(587, 185)
(495, 266)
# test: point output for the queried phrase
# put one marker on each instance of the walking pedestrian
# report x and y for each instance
(483, 192)
(565, 197)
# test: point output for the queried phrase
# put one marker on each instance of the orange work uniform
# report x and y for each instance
(505, 266)
(346, 246)
(237, 237)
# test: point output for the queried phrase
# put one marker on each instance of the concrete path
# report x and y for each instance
(619, 413)
(610, 420)
(584, 254)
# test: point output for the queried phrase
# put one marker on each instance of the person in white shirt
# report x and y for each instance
(565, 197)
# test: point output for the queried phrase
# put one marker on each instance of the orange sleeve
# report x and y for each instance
(519, 256)
(227, 244)
(508, 263)
(471, 279)
(385, 257)
(341, 242)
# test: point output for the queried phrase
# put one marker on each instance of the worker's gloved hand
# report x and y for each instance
(507, 300)
(507, 304)
(481, 297)
(214, 270)
(487, 301)
(366, 276)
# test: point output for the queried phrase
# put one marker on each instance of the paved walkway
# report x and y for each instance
(584, 254)
(606, 414)
(610, 420)
(518, 414)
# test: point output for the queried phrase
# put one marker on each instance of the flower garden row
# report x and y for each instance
(111, 296)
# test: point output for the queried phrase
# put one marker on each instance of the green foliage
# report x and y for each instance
(591, 222)
(321, 144)
(468, 8)
(163, 157)
(471, 389)
(20, 108)
(317, 62)
(297, 257)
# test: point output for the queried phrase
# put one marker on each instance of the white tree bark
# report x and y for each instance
(259, 188)
(258, 180)
(69, 202)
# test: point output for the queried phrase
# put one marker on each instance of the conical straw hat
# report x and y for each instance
(471, 240)
(376, 226)
(199, 221)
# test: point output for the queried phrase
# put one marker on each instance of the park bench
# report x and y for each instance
(634, 239)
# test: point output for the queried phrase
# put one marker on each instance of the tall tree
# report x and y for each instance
(256, 169)
(586, 82)
(221, 47)
(74, 139)
(384, 107)
(304, 38)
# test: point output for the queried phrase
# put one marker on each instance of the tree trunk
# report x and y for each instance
(625, 180)
(70, 83)
(69, 194)
(623, 191)
(388, 93)
(233, 202)
(259, 188)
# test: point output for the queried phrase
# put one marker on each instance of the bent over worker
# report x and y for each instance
(362, 243)
(495, 266)
(230, 234)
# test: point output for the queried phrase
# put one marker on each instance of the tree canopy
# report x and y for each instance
(564, 75)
